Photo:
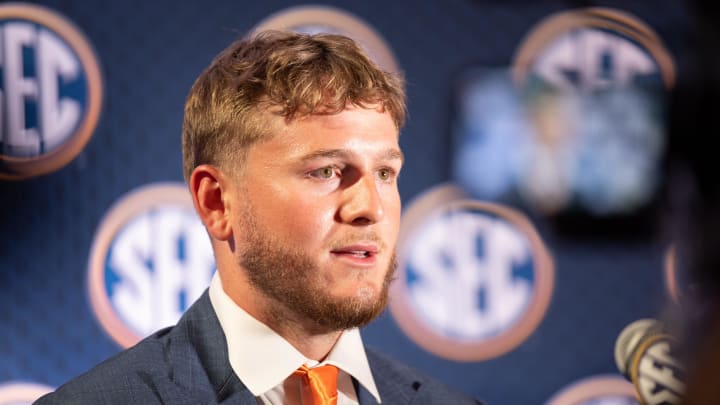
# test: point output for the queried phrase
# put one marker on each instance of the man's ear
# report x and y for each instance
(210, 188)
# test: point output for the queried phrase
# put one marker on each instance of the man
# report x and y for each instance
(290, 150)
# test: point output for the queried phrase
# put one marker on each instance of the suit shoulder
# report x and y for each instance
(174, 365)
(391, 375)
(129, 376)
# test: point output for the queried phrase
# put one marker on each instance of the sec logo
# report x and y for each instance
(50, 91)
(474, 278)
(151, 258)
(315, 19)
(597, 390)
(20, 393)
(594, 82)
(617, 49)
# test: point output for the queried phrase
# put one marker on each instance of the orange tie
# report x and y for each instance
(319, 384)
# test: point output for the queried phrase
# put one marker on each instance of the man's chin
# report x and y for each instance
(346, 311)
(363, 293)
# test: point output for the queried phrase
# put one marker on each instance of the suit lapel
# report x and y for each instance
(364, 396)
(198, 350)
(396, 384)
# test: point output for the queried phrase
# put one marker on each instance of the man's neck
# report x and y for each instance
(309, 338)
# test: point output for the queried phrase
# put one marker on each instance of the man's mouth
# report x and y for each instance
(357, 251)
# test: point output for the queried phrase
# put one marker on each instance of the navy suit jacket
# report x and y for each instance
(188, 364)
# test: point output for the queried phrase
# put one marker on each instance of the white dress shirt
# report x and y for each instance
(265, 362)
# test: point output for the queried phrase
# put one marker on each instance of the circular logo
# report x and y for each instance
(617, 48)
(598, 390)
(474, 278)
(20, 393)
(315, 19)
(151, 258)
(50, 91)
(593, 83)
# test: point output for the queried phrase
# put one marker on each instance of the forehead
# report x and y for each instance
(355, 129)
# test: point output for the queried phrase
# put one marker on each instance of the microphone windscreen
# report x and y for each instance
(629, 340)
(648, 356)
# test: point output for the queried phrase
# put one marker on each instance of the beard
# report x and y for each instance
(293, 280)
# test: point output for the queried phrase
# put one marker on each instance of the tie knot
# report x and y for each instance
(319, 384)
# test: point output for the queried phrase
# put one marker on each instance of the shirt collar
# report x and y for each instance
(251, 343)
(348, 354)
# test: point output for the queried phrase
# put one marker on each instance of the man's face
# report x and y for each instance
(320, 216)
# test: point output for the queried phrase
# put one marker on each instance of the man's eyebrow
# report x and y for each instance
(388, 154)
(393, 154)
(325, 153)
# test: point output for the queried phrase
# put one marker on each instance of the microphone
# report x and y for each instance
(648, 356)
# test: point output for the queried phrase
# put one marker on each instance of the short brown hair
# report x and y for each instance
(292, 75)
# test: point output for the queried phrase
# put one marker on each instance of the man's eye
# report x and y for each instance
(324, 172)
(385, 174)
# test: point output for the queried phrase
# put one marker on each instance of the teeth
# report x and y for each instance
(359, 253)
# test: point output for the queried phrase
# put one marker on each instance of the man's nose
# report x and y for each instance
(362, 203)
